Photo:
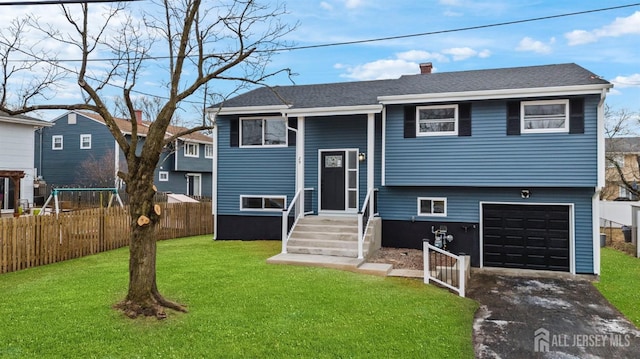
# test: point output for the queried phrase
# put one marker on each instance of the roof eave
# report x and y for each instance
(24, 121)
(248, 110)
(333, 111)
(594, 89)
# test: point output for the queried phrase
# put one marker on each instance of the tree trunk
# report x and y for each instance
(143, 297)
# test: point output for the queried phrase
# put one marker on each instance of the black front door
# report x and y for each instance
(332, 184)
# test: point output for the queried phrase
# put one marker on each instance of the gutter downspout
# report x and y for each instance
(214, 176)
(595, 202)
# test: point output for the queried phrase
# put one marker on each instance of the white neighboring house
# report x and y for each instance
(17, 159)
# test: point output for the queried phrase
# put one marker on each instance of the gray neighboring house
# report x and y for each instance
(79, 136)
(625, 152)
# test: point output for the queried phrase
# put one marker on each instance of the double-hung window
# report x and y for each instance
(191, 149)
(544, 116)
(616, 159)
(85, 142)
(428, 206)
(208, 151)
(437, 120)
(56, 142)
(263, 132)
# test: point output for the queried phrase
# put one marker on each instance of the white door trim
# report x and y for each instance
(197, 176)
(347, 210)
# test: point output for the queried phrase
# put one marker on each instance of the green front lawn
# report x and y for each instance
(239, 307)
(620, 282)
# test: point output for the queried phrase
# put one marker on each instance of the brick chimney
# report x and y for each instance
(426, 67)
(138, 116)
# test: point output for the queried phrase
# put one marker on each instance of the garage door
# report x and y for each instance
(526, 236)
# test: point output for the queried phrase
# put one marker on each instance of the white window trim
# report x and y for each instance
(208, 151)
(564, 129)
(53, 142)
(262, 196)
(432, 199)
(286, 132)
(448, 133)
(82, 137)
(163, 176)
(195, 145)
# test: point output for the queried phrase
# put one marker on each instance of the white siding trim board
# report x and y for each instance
(495, 94)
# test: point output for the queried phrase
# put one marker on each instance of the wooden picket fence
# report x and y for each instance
(32, 241)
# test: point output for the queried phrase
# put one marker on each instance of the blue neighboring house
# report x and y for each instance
(185, 167)
(510, 160)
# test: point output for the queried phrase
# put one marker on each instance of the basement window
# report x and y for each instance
(262, 203)
(430, 206)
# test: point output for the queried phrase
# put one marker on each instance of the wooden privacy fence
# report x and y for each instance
(32, 241)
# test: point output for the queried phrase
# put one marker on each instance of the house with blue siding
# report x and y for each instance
(509, 162)
(79, 140)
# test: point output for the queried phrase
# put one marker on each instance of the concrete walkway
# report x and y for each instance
(344, 263)
(541, 317)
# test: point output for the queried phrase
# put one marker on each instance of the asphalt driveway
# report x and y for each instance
(536, 317)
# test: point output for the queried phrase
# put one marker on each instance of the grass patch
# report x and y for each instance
(239, 307)
(619, 282)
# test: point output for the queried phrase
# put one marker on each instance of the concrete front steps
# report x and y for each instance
(329, 236)
(332, 242)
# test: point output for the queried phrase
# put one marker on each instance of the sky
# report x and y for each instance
(606, 43)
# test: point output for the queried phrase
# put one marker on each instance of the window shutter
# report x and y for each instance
(234, 133)
(409, 122)
(464, 119)
(513, 118)
(291, 135)
(576, 115)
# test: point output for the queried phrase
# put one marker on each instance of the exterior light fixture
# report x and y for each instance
(362, 156)
(525, 193)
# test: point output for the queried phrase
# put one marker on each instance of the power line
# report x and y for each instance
(57, 2)
(458, 29)
(379, 39)
(333, 44)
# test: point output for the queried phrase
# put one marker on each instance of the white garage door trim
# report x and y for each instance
(572, 229)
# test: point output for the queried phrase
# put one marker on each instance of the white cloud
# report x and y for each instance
(484, 54)
(463, 53)
(380, 69)
(352, 4)
(579, 37)
(450, 2)
(325, 5)
(406, 63)
(627, 81)
(529, 44)
(450, 13)
(419, 55)
(620, 26)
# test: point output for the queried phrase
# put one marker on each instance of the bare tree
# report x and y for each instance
(623, 164)
(230, 40)
(19, 58)
(97, 172)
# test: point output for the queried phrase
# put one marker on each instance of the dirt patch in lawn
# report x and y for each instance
(400, 258)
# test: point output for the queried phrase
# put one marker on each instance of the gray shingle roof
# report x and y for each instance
(367, 92)
(22, 117)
